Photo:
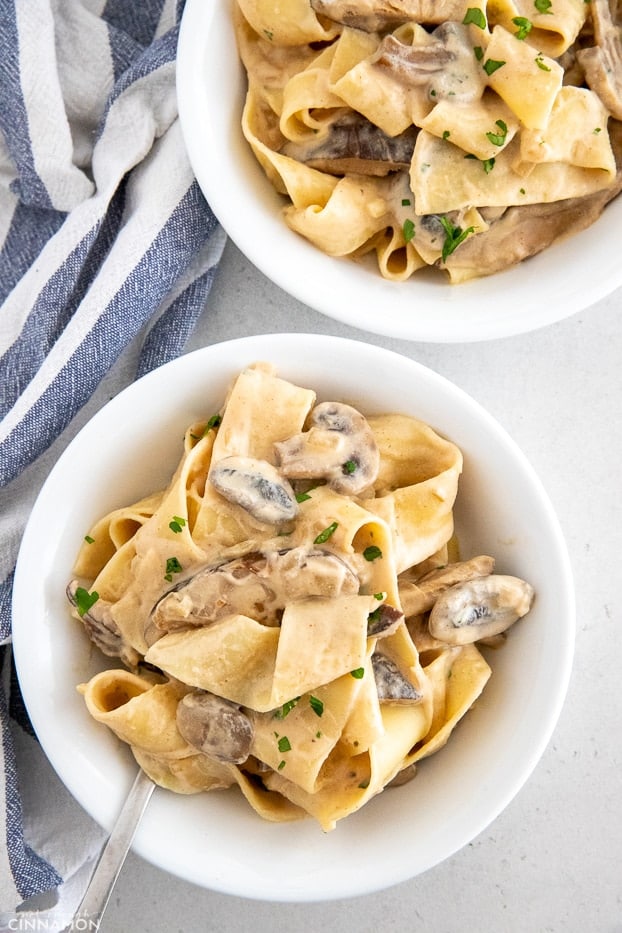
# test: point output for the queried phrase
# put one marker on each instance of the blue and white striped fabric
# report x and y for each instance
(107, 247)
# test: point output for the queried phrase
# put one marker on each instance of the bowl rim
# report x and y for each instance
(101, 795)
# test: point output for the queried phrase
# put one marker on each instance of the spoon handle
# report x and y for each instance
(113, 854)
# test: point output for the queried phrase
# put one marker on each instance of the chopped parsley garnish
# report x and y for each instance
(491, 65)
(177, 524)
(286, 708)
(488, 164)
(284, 745)
(446, 134)
(543, 6)
(524, 26)
(349, 467)
(316, 705)
(302, 496)
(281, 765)
(214, 422)
(597, 130)
(90, 540)
(372, 552)
(454, 236)
(84, 599)
(405, 202)
(325, 535)
(408, 230)
(479, 52)
(172, 566)
(541, 63)
(359, 673)
(268, 34)
(476, 16)
(498, 139)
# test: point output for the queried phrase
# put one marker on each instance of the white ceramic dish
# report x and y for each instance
(563, 280)
(130, 448)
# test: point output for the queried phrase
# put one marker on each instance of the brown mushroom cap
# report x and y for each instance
(215, 726)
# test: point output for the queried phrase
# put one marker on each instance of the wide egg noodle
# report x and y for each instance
(293, 22)
(472, 128)
(261, 667)
(552, 31)
(416, 487)
(138, 711)
(444, 180)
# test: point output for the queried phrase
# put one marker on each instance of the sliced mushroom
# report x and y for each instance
(257, 585)
(377, 15)
(215, 726)
(479, 608)
(404, 776)
(257, 487)
(339, 447)
(102, 629)
(391, 684)
(602, 63)
(352, 144)
(383, 621)
(445, 66)
(419, 597)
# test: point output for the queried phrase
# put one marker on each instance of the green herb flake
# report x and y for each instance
(268, 34)
(543, 6)
(597, 130)
(286, 708)
(349, 467)
(84, 600)
(316, 705)
(281, 765)
(318, 735)
(491, 65)
(284, 745)
(177, 524)
(379, 596)
(524, 26)
(479, 52)
(522, 191)
(372, 552)
(541, 63)
(476, 16)
(172, 566)
(90, 540)
(488, 165)
(359, 673)
(323, 536)
(302, 496)
(408, 230)
(405, 202)
(364, 784)
(214, 422)
(454, 236)
(498, 139)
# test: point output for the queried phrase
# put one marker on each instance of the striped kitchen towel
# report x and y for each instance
(107, 253)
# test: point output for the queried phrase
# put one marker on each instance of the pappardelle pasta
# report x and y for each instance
(450, 134)
(291, 611)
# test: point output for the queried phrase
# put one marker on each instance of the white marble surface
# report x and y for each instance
(553, 860)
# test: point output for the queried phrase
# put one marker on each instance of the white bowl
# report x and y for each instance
(564, 279)
(130, 448)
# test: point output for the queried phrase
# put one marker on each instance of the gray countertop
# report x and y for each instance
(552, 861)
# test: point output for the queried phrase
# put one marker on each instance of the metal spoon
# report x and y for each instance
(113, 855)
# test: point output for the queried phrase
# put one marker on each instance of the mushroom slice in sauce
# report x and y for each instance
(352, 144)
(421, 595)
(391, 684)
(447, 65)
(339, 447)
(377, 15)
(479, 608)
(602, 63)
(102, 629)
(257, 487)
(258, 585)
(215, 726)
(383, 621)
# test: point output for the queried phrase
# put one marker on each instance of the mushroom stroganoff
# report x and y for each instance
(291, 611)
(459, 135)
